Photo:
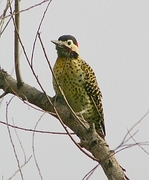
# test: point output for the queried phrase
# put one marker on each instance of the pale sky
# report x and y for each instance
(113, 38)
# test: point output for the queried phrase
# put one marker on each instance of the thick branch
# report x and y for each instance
(16, 43)
(88, 137)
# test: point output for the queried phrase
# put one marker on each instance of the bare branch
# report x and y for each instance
(88, 175)
(24, 10)
(32, 130)
(123, 144)
(33, 148)
(19, 142)
(21, 167)
(11, 140)
(90, 140)
(16, 43)
(3, 18)
(44, 13)
(140, 143)
(2, 95)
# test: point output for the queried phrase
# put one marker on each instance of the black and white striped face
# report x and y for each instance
(66, 46)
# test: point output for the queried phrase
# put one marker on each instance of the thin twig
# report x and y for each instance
(19, 141)
(4, 94)
(32, 130)
(25, 53)
(33, 148)
(24, 10)
(21, 167)
(3, 19)
(2, 30)
(125, 139)
(11, 140)
(41, 21)
(73, 140)
(88, 175)
(139, 144)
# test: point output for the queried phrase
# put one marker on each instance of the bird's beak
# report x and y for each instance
(56, 42)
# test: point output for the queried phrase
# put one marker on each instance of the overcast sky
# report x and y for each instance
(113, 38)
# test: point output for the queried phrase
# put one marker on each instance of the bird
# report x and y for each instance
(78, 83)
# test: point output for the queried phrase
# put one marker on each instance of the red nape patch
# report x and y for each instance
(76, 43)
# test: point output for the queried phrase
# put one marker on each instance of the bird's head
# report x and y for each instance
(66, 46)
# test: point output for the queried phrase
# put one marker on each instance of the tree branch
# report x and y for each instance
(16, 43)
(90, 140)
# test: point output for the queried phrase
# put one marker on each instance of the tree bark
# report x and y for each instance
(89, 139)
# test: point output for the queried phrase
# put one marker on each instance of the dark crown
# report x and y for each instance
(68, 37)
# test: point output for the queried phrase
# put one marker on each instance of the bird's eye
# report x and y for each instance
(69, 43)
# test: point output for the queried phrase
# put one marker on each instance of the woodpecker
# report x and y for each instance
(78, 83)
